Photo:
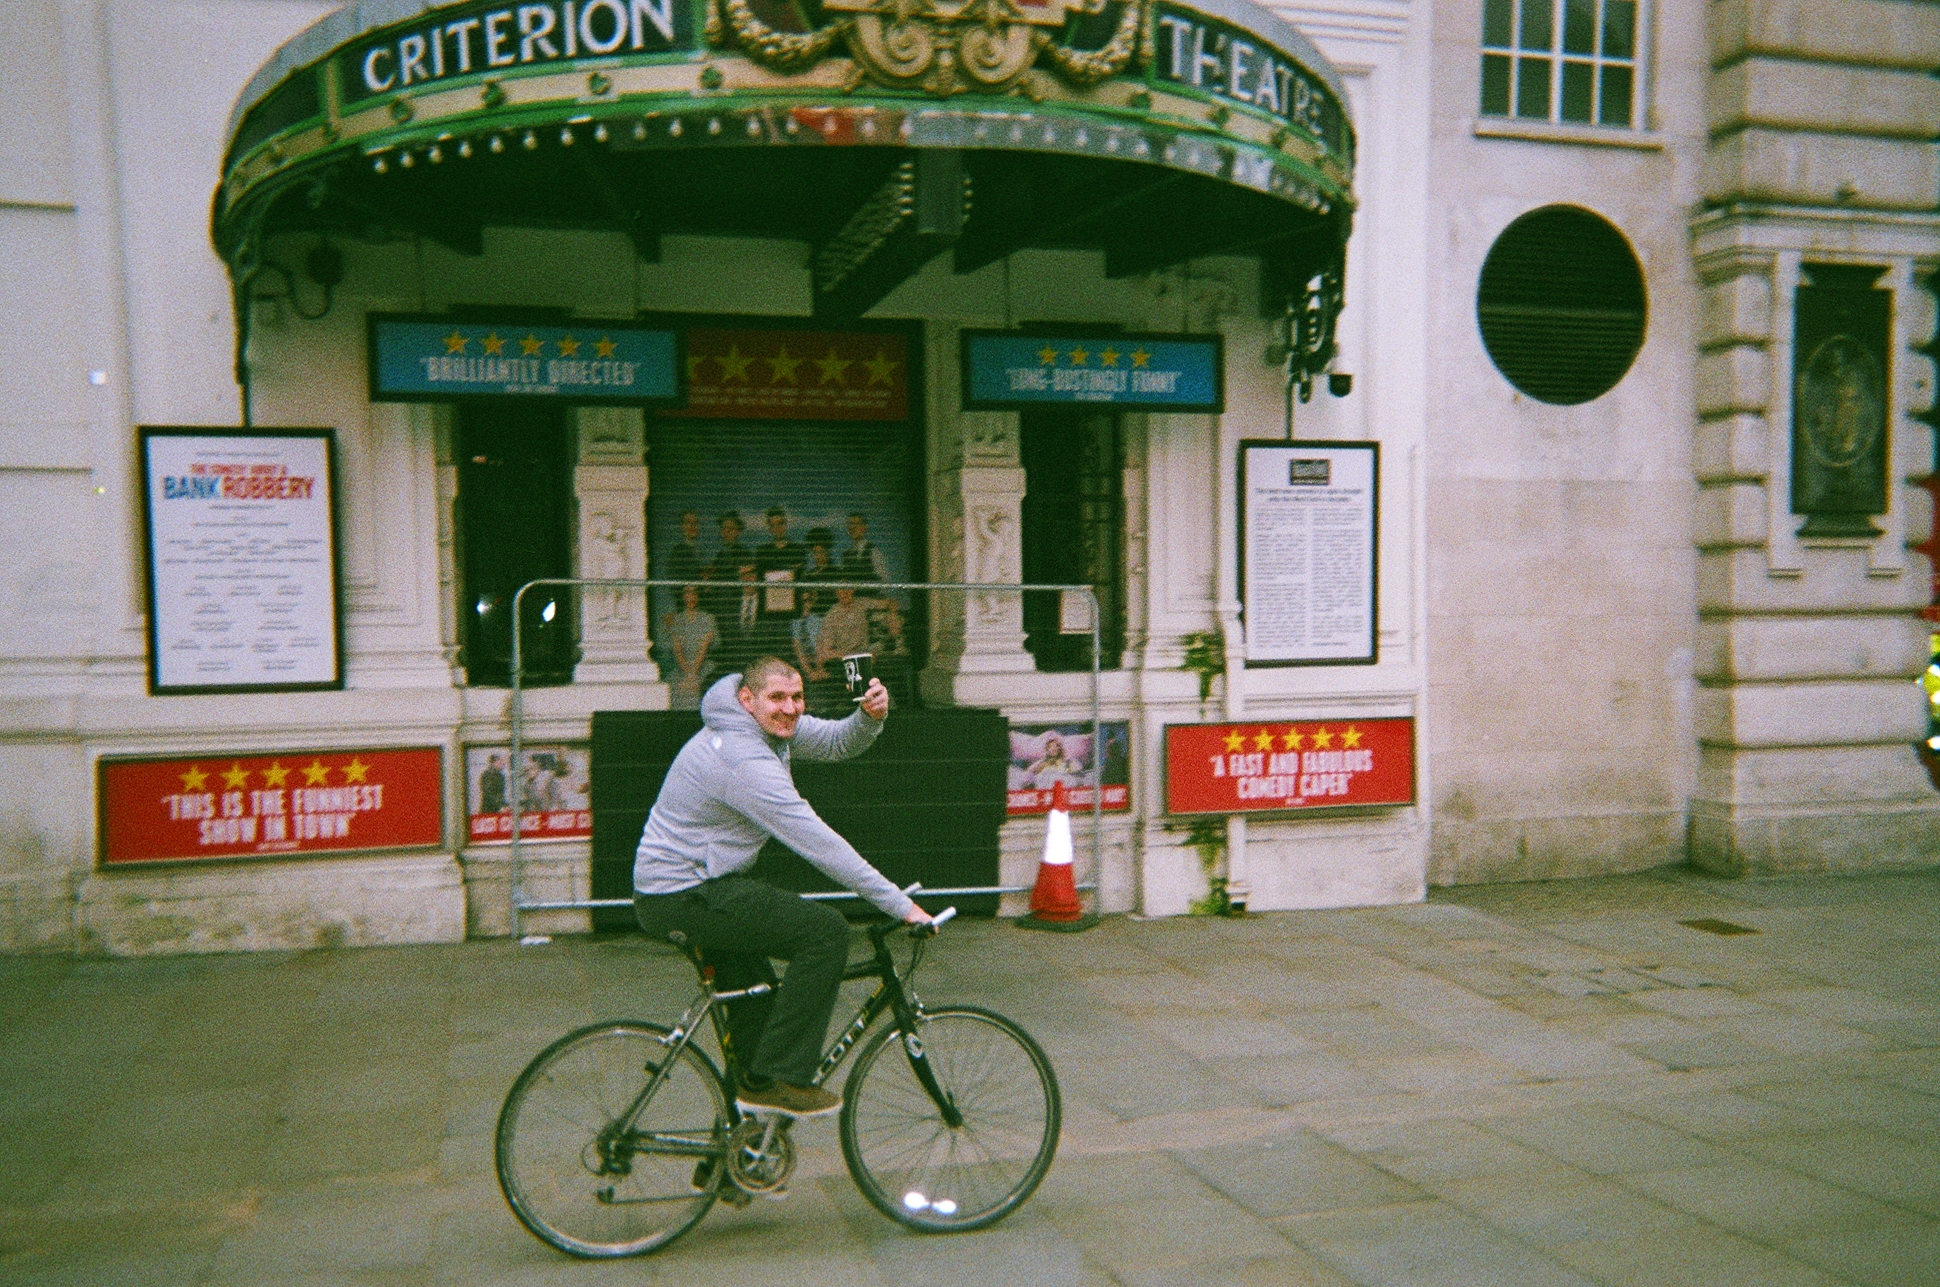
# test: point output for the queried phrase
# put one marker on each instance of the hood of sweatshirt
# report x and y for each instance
(723, 713)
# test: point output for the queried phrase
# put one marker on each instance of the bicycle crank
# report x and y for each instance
(760, 1154)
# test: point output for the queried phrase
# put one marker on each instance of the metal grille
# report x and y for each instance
(1561, 305)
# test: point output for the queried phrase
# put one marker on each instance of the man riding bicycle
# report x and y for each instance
(729, 789)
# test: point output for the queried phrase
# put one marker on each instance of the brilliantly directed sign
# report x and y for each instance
(1308, 568)
(761, 374)
(1043, 755)
(1248, 768)
(430, 359)
(462, 39)
(245, 806)
(550, 787)
(1006, 369)
(242, 560)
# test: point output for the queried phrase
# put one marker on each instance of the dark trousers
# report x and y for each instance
(739, 923)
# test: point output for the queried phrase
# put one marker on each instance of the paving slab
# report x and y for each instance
(1556, 1083)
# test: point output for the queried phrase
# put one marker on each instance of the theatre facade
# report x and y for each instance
(1456, 468)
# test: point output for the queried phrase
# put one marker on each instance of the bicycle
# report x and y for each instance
(620, 1136)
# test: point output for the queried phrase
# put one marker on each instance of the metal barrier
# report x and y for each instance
(520, 906)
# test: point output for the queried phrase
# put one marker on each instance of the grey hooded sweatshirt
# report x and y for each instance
(730, 789)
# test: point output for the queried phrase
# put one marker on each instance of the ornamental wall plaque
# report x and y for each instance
(1839, 400)
(943, 47)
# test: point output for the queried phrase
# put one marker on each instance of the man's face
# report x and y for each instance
(778, 527)
(778, 706)
(730, 530)
(858, 529)
(690, 526)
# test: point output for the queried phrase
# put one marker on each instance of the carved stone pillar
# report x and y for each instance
(610, 486)
(1819, 175)
(977, 512)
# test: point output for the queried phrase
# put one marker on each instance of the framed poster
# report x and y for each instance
(1043, 755)
(223, 806)
(1005, 370)
(551, 786)
(1299, 765)
(1309, 570)
(241, 544)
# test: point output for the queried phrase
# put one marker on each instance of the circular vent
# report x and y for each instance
(1561, 305)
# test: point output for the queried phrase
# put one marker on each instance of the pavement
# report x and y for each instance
(1657, 1080)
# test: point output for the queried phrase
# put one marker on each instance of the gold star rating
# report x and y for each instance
(1291, 739)
(1048, 356)
(455, 343)
(1236, 741)
(568, 346)
(734, 366)
(1079, 356)
(694, 367)
(314, 774)
(1350, 737)
(834, 368)
(530, 346)
(275, 774)
(493, 345)
(356, 770)
(880, 367)
(1140, 357)
(195, 779)
(783, 364)
(604, 347)
(235, 777)
(1263, 741)
(1322, 738)
(1108, 358)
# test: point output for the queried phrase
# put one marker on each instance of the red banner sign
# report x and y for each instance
(230, 806)
(1252, 768)
(796, 375)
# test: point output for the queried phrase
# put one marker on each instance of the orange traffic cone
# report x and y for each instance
(1054, 899)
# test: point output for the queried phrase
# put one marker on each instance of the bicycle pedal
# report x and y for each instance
(735, 1197)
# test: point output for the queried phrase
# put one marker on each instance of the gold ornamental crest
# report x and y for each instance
(942, 47)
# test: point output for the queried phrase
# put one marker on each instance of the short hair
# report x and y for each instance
(762, 669)
(732, 516)
(819, 536)
(776, 511)
(858, 516)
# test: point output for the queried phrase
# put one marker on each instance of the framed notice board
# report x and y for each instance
(240, 533)
(1309, 572)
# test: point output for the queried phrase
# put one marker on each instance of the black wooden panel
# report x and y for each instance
(924, 803)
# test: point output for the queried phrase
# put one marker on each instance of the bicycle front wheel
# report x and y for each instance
(906, 1157)
(591, 1184)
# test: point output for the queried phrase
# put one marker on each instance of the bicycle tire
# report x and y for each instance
(925, 1174)
(629, 1198)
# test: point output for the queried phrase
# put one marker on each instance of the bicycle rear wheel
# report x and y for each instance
(590, 1184)
(915, 1167)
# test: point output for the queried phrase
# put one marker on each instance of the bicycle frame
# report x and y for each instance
(891, 994)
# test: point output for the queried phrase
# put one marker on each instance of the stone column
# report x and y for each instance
(977, 517)
(610, 487)
(1821, 157)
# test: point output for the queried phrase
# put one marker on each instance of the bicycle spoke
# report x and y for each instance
(591, 1190)
(923, 1172)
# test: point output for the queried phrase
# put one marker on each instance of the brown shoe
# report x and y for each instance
(780, 1097)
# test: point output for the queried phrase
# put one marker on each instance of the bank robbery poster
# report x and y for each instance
(242, 560)
(550, 786)
(249, 806)
(1043, 755)
(1294, 764)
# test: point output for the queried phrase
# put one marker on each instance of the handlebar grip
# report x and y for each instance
(937, 921)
